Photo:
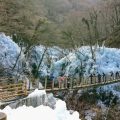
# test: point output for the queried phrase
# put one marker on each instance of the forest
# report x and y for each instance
(63, 23)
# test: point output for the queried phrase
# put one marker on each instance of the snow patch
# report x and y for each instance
(37, 93)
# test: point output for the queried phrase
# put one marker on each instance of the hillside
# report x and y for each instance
(62, 16)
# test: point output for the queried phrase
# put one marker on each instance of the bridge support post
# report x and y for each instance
(91, 79)
(3, 116)
(82, 81)
(25, 84)
(45, 83)
(71, 83)
(85, 80)
(52, 84)
(66, 83)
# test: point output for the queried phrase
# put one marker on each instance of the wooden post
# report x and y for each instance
(108, 77)
(94, 79)
(82, 81)
(3, 116)
(71, 83)
(24, 87)
(66, 82)
(52, 84)
(74, 82)
(25, 84)
(45, 83)
(77, 80)
(59, 82)
(91, 79)
(85, 80)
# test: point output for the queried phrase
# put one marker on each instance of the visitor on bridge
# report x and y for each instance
(99, 78)
(112, 76)
(104, 77)
(117, 75)
(52, 78)
(62, 79)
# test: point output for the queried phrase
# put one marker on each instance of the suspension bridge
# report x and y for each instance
(10, 90)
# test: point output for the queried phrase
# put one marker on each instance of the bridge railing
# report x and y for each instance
(10, 89)
(65, 82)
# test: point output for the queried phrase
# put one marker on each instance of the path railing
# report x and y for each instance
(10, 90)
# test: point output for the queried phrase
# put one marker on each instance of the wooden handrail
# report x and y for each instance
(12, 85)
(12, 90)
(92, 80)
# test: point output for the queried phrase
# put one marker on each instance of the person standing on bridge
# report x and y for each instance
(117, 76)
(111, 75)
(99, 78)
(52, 78)
(62, 81)
(104, 77)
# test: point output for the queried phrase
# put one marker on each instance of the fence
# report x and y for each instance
(10, 90)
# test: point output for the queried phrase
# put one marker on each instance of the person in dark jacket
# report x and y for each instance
(51, 77)
(51, 80)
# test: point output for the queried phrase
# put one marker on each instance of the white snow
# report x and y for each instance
(37, 93)
(89, 114)
(52, 54)
(107, 60)
(41, 113)
(9, 51)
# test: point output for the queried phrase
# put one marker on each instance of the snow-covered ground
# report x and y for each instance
(41, 112)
